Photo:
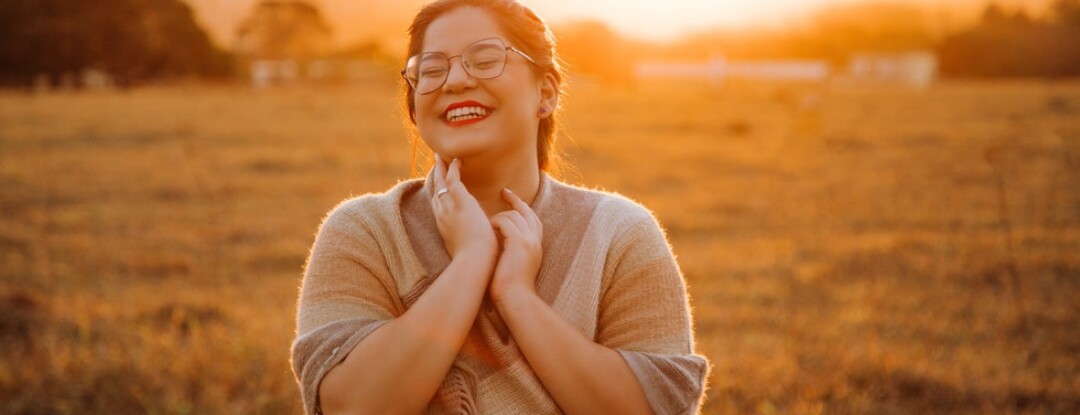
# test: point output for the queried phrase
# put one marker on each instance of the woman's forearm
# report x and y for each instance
(582, 376)
(399, 367)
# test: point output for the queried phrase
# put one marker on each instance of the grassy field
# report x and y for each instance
(877, 251)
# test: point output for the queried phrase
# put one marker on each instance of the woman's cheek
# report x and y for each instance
(425, 128)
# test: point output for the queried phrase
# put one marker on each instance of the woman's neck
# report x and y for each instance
(486, 181)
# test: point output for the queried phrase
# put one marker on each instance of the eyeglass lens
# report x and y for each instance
(482, 60)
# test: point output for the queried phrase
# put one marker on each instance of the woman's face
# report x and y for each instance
(505, 127)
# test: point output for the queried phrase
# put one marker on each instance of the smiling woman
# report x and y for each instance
(453, 294)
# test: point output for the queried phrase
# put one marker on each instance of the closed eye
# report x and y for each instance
(433, 72)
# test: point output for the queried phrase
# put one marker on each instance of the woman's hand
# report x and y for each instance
(461, 221)
(519, 261)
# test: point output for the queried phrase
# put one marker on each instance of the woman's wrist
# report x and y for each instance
(479, 254)
(511, 297)
(479, 243)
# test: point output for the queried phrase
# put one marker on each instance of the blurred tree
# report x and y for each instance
(594, 49)
(1007, 44)
(839, 32)
(284, 30)
(132, 40)
(835, 33)
(1066, 12)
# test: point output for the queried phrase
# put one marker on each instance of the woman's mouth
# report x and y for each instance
(465, 113)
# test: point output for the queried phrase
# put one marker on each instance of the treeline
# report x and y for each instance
(1015, 44)
(138, 41)
(833, 34)
(999, 43)
(133, 41)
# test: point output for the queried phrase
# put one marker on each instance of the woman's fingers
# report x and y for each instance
(453, 181)
(439, 180)
(522, 208)
(453, 173)
(522, 224)
(440, 173)
(448, 178)
(513, 199)
(507, 226)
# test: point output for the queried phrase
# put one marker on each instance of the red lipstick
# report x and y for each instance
(465, 113)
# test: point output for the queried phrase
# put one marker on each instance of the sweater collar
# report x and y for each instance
(538, 202)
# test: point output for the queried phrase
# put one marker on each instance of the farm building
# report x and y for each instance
(914, 69)
(718, 71)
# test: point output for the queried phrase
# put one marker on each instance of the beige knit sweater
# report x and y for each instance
(606, 268)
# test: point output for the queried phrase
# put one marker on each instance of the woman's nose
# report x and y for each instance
(457, 78)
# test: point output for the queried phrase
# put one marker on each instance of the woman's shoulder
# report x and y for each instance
(375, 207)
(610, 205)
(610, 210)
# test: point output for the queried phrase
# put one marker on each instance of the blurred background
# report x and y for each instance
(876, 204)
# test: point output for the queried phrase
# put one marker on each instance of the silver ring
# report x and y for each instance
(442, 192)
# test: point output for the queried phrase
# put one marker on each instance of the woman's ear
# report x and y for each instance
(549, 95)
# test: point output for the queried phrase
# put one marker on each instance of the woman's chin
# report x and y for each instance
(460, 148)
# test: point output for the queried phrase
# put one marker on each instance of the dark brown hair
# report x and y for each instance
(526, 31)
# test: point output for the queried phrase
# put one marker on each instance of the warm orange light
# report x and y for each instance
(671, 19)
(387, 20)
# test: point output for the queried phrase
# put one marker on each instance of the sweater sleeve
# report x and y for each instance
(645, 315)
(345, 296)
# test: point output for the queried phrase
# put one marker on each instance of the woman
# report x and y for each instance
(488, 286)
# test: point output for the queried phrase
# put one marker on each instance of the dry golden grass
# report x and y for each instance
(870, 251)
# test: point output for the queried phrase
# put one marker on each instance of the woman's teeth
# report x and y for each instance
(466, 113)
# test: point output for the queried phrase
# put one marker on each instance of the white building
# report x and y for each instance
(267, 72)
(717, 71)
(914, 69)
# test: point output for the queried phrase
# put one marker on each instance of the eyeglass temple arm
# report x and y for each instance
(527, 57)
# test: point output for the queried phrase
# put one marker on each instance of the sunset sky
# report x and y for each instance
(665, 20)
(658, 20)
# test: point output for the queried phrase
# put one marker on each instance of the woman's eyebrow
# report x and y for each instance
(480, 39)
(426, 56)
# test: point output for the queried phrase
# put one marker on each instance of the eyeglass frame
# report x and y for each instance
(506, 50)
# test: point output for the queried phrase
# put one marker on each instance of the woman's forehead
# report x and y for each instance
(458, 28)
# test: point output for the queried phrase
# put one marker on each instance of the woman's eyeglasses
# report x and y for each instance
(483, 59)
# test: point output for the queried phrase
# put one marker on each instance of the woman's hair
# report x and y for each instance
(526, 31)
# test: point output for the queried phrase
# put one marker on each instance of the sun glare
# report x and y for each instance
(668, 20)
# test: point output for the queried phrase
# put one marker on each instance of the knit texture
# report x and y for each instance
(607, 268)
